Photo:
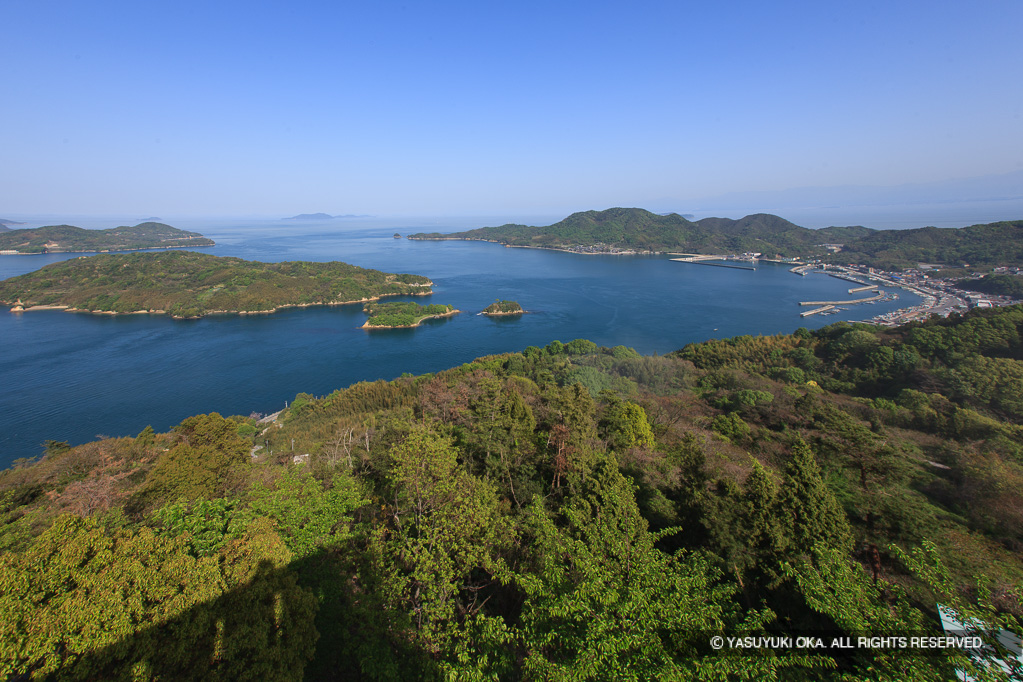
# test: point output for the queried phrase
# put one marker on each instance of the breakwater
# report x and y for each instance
(705, 260)
(815, 311)
(879, 296)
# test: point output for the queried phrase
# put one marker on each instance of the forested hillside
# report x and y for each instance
(639, 230)
(189, 284)
(568, 512)
(64, 238)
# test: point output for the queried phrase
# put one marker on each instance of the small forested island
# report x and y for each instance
(70, 239)
(399, 314)
(634, 230)
(186, 284)
(570, 512)
(503, 308)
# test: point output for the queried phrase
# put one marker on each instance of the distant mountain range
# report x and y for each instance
(635, 229)
(324, 216)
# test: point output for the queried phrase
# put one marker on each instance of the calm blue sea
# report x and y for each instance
(68, 376)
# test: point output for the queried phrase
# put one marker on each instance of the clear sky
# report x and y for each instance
(455, 108)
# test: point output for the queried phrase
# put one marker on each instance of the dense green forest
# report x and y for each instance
(639, 230)
(403, 313)
(503, 308)
(571, 512)
(997, 285)
(189, 284)
(64, 238)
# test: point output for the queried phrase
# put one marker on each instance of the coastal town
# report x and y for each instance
(942, 295)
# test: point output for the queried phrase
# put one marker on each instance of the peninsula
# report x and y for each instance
(634, 230)
(186, 284)
(71, 239)
(403, 314)
(498, 308)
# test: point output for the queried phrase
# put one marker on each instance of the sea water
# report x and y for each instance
(75, 376)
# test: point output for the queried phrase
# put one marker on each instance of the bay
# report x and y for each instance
(69, 376)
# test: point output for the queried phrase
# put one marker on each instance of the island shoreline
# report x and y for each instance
(367, 325)
(69, 309)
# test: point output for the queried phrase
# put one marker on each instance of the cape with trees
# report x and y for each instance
(190, 284)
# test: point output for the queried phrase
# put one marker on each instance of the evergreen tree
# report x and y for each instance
(807, 508)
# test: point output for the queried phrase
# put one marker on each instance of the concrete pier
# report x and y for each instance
(866, 288)
(879, 296)
(705, 260)
(808, 313)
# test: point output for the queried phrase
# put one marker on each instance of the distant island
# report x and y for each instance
(324, 216)
(634, 230)
(402, 314)
(71, 239)
(311, 216)
(186, 284)
(503, 308)
(9, 222)
(152, 219)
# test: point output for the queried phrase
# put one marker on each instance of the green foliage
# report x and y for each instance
(438, 547)
(624, 425)
(197, 466)
(839, 589)
(624, 352)
(604, 603)
(308, 514)
(580, 347)
(636, 229)
(807, 508)
(205, 522)
(731, 426)
(189, 284)
(503, 308)
(402, 314)
(70, 238)
(998, 285)
(491, 521)
(81, 603)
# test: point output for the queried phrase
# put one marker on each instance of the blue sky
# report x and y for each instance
(456, 108)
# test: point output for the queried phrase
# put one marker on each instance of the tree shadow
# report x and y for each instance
(300, 621)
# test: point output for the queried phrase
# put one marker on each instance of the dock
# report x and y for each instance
(842, 275)
(705, 260)
(823, 309)
(879, 296)
(866, 288)
(723, 265)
